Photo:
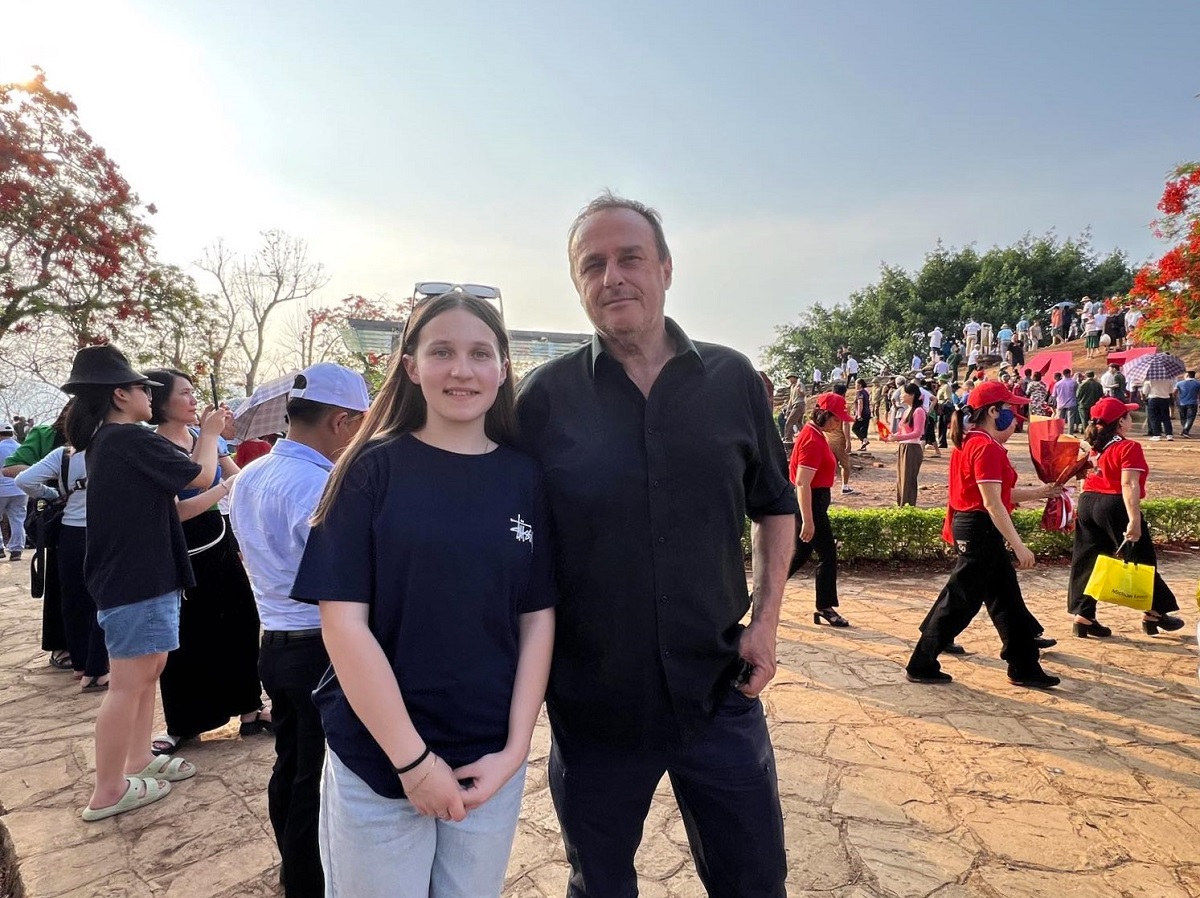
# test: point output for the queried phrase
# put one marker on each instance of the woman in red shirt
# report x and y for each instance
(1110, 514)
(983, 492)
(812, 468)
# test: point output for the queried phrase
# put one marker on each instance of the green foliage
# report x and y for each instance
(915, 534)
(880, 322)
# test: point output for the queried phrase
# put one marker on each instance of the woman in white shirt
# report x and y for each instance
(85, 638)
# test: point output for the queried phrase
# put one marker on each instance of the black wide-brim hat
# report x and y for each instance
(103, 366)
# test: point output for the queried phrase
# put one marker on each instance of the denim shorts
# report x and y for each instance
(148, 627)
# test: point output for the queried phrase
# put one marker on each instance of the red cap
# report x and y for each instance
(989, 392)
(1110, 409)
(833, 402)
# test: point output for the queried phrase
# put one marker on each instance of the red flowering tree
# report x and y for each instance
(73, 242)
(1168, 290)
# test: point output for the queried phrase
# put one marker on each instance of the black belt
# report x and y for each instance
(283, 637)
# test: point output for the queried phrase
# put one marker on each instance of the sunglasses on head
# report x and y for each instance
(437, 288)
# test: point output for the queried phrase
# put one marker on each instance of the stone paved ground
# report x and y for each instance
(971, 790)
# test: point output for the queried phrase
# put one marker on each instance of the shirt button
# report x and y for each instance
(650, 430)
(667, 653)
(661, 540)
(662, 598)
(656, 483)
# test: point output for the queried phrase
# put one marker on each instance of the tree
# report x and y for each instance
(1168, 290)
(72, 237)
(254, 287)
(887, 322)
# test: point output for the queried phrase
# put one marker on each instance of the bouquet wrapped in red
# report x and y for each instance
(1057, 459)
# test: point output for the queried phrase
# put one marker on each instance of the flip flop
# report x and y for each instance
(170, 769)
(152, 790)
(94, 685)
(256, 726)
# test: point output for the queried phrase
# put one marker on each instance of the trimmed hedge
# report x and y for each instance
(915, 534)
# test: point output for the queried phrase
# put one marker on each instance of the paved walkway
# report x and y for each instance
(974, 790)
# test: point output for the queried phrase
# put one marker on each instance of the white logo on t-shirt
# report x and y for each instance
(523, 531)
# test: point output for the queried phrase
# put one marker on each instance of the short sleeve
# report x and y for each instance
(990, 464)
(768, 490)
(158, 459)
(808, 453)
(542, 591)
(339, 560)
(1132, 456)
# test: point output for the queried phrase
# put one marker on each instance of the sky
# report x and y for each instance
(790, 147)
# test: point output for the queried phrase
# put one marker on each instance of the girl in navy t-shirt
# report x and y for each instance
(430, 558)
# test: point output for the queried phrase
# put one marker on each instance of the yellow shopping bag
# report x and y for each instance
(1122, 582)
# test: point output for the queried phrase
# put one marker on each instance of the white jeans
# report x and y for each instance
(375, 847)
(13, 508)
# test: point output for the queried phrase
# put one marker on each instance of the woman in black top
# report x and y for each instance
(136, 565)
(213, 675)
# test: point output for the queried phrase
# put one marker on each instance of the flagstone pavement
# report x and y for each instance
(889, 789)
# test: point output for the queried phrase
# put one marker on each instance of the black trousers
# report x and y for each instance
(1158, 417)
(290, 670)
(1100, 522)
(85, 637)
(824, 545)
(1187, 417)
(54, 637)
(984, 575)
(725, 783)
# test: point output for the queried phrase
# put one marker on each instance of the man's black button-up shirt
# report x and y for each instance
(649, 498)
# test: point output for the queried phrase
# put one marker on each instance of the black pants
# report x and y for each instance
(984, 575)
(943, 424)
(824, 545)
(725, 783)
(1100, 522)
(85, 637)
(1187, 417)
(1158, 417)
(290, 670)
(860, 427)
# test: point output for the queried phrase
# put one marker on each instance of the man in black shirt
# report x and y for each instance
(654, 449)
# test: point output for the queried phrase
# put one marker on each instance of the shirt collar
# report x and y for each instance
(292, 449)
(683, 345)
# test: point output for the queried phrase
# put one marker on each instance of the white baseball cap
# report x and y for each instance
(5, 427)
(331, 384)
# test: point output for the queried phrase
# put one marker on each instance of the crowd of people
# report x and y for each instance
(410, 578)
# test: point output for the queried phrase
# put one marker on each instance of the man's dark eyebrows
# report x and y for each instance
(621, 251)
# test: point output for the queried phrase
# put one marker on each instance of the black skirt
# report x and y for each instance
(213, 675)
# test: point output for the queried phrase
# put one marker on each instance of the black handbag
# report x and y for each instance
(44, 526)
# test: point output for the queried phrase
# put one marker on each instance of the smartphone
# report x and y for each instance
(742, 676)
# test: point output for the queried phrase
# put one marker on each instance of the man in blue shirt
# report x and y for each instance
(269, 507)
(12, 500)
(655, 449)
(1187, 392)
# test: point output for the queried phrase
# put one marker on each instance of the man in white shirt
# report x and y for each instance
(816, 380)
(971, 333)
(1158, 393)
(835, 375)
(940, 367)
(935, 341)
(851, 368)
(270, 506)
(1132, 317)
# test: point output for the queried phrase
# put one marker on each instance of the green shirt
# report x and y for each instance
(41, 440)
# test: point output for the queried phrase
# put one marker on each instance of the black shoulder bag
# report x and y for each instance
(44, 526)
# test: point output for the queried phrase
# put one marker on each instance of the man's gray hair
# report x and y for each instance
(609, 200)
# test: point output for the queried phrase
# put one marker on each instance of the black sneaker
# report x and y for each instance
(1044, 642)
(14, 555)
(954, 649)
(1033, 679)
(927, 676)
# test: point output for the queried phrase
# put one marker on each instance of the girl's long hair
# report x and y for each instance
(85, 413)
(915, 392)
(400, 406)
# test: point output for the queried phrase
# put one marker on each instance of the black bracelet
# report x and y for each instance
(414, 765)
